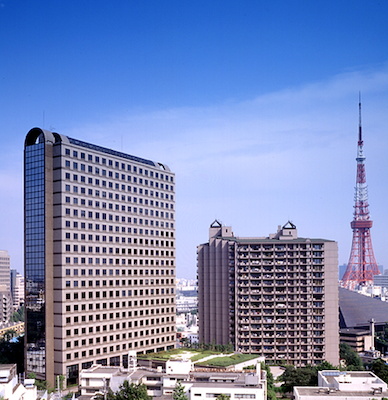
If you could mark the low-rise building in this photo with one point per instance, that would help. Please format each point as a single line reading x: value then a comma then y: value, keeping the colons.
x: 186, y: 304
x: 235, y: 386
x: 342, y: 385
x: 358, y: 339
x: 11, y: 389
x: 187, y: 329
x: 16, y: 329
x: 368, y: 356
x: 198, y: 383
x: 6, y: 309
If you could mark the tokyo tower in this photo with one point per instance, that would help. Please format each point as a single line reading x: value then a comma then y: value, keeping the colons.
x: 362, y: 264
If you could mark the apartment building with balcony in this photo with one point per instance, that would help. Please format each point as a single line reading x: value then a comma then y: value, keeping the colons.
x: 276, y: 296
x: 99, y: 255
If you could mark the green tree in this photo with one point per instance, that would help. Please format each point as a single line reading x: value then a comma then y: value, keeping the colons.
x: 352, y: 359
x: 185, y: 342
x: 41, y: 385
x: 292, y: 376
x: 380, y: 369
x: 324, y: 366
x: 18, y: 315
x: 61, y: 379
x: 12, y: 352
x: 109, y: 395
x: 9, y: 334
x: 179, y: 392
x: 223, y: 396
x: 271, y: 392
x: 132, y: 391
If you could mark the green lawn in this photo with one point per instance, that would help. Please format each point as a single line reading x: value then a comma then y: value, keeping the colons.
x: 196, y: 355
x: 227, y: 361
x: 166, y: 355
x: 203, y: 354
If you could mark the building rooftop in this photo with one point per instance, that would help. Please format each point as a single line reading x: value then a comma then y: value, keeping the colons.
x: 102, y: 369
x: 274, y: 240
x: 330, y: 392
x: 356, y: 310
x: 344, y: 384
x: 111, y: 152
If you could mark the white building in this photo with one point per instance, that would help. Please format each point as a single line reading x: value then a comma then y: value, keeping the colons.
x: 199, y: 384
x: 236, y: 386
x: 10, y: 389
x: 342, y: 385
x: 185, y: 304
x: 381, y: 280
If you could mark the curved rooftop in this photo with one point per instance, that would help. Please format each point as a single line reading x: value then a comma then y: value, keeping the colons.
x: 39, y: 135
x: 356, y: 310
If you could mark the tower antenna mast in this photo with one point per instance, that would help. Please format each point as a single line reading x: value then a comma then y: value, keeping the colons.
x: 362, y: 264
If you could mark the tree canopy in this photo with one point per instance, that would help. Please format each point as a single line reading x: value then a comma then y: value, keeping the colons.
x: 324, y: 366
x: 127, y: 391
x: 12, y: 352
x: 271, y: 393
x: 352, y: 359
x: 179, y: 392
x: 306, y: 376
x: 380, y: 368
x: 132, y: 391
x: 223, y: 396
x: 18, y: 315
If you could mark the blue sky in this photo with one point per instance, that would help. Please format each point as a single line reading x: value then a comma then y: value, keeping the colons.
x: 253, y: 104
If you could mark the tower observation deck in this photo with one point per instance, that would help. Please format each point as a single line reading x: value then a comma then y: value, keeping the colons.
x: 362, y: 264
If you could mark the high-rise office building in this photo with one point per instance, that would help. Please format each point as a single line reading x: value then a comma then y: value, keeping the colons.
x: 99, y: 255
x: 5, y: 269
x: 276, y: 296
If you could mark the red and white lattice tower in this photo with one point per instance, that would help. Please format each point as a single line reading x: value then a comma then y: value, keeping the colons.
x: 362, y: 264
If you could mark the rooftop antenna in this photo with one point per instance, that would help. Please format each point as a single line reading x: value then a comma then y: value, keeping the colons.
x: 360, y: 143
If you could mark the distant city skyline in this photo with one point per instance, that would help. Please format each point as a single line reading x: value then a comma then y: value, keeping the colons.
x: 254, y: 106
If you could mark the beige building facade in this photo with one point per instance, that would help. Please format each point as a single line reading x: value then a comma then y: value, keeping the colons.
x: 5, y: 269
x: 6, y: 308
x: 17, y: 289
x: 99, y: 255
x: 276, y: 296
